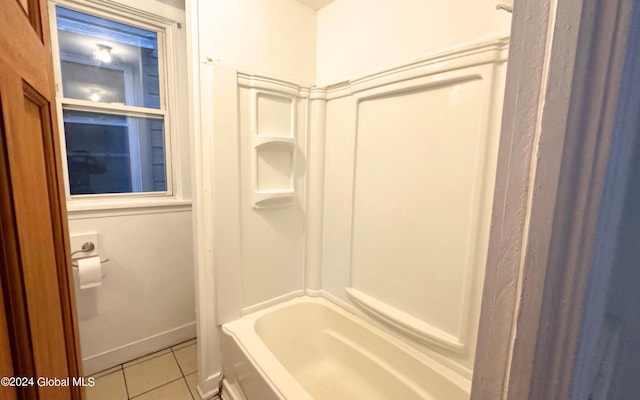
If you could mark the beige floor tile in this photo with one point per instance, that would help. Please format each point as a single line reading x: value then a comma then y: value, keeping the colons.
x: 108, y: 387
x: 147, y: 357
x: 186, y: 357
x: 192, y: 382
x: 176, y: 390
x: 151, y: 374
x: 107, y: 371
x: 184, y: 344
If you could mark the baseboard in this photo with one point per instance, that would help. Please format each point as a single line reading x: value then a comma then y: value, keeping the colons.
x: 139, y: 348
x: 211, y: 386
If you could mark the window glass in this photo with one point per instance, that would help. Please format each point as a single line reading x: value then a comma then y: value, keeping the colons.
x: 107, y: 61
x: 114, y: 154
x: 115, y: 136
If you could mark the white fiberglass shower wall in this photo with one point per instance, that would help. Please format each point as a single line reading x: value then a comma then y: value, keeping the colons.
x: 410, y: 166
x: 373, y: 187
x: 410, y: 155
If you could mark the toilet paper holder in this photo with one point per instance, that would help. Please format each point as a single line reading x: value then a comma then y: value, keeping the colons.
x: 86, y: 247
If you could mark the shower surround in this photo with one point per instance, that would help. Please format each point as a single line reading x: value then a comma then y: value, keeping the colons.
x: 371, y: 190
x: 389, y: 186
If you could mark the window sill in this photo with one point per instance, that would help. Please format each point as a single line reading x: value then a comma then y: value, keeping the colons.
x: 82, y: 209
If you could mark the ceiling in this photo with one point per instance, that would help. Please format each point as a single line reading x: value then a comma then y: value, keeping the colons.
x: 316, y: 4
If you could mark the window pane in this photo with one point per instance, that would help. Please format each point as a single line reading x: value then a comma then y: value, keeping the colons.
x: 107, y: 61
x: 114, y: 154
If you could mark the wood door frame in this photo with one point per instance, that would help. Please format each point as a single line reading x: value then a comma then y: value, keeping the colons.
x: 563, y: 82
x: 36, y: 74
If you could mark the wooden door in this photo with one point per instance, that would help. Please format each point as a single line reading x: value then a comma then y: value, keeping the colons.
x: 38, y: 330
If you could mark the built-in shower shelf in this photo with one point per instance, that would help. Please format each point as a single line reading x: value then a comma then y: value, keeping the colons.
x: 261, y: 141
x: 273, y: 163
x: 273, y: 137
x: 273, y: 198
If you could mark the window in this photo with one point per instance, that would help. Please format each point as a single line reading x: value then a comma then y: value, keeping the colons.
x: 111, y: 92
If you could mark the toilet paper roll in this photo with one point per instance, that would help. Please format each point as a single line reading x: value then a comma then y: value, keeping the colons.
x: 89, y: 272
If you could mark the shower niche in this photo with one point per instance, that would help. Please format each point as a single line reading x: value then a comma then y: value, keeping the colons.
x: 274, y: 148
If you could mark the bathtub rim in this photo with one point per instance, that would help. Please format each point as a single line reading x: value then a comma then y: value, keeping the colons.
x: 281, y: 381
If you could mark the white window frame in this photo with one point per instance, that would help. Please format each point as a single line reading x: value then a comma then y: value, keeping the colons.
x: 166, y: 30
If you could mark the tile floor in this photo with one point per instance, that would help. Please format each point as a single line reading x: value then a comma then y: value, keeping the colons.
x: 169, y: 374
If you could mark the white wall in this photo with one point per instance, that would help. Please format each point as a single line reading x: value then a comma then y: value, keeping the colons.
x: 357, y: 37
x: 147, y: 298
x: 274, y: 37
x: 146, y: 301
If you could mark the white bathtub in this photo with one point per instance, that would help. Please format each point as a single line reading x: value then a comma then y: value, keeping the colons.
x: 309, y: 348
